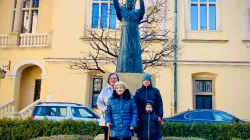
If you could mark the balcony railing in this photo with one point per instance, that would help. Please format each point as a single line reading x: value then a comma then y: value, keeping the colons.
x: 27, y: 111
x: 3, y: 40
x: 34, y: 40
x: 6, y: 109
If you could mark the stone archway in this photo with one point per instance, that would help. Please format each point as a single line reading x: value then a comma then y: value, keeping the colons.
x: 26, y: 63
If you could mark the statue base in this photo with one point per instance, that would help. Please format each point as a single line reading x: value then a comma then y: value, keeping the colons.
x: 133, y: 80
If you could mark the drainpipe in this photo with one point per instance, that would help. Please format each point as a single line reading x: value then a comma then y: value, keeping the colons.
x: 175, y: 57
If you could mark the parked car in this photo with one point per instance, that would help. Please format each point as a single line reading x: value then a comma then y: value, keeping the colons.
x: 203, y: 116
x: 61, y: 110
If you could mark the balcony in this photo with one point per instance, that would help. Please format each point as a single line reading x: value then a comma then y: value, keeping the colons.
x: 34, y: 40
x: 26, y: 40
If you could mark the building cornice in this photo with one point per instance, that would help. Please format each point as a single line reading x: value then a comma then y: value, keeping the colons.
x: 204, y: 40
x: 181, y: 62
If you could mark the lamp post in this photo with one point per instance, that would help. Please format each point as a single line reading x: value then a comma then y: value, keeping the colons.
x: 3, y: 72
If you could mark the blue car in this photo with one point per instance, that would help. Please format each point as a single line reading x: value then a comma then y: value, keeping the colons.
x: 203, y: 116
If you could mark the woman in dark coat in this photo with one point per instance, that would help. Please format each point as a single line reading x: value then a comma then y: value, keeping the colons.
x: 148, y: 92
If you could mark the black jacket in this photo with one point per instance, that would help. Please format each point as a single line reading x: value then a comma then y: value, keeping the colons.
x: 149, y: 93
x: 149, y: 127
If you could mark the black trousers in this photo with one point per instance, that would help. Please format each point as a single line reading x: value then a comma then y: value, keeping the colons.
x: 105, y: 130
x: 126, y: 138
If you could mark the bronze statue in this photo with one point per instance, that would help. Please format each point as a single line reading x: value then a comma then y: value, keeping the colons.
x: 129, y: 59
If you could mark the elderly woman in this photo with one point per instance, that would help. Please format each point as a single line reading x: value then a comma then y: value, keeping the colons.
x: 121, y: 114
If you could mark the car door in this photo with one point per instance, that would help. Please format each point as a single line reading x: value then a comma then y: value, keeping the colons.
x: 56, y: 113
x: 40, y: 112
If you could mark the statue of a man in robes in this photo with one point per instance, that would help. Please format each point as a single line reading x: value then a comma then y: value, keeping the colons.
x: 129, y: 59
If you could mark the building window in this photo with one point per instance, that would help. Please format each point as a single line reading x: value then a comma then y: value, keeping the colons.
x: 247, y: 23
x: 203, y: 14
x: 103, y: 14
x: 203, y: 93
x: 96, y: 89
x: 37, y: 89
x: 203, y: 85
x: 30, y: 16
x: 204, y: 102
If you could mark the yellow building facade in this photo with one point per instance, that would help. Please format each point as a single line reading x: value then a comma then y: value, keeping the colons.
x: 40, y: 36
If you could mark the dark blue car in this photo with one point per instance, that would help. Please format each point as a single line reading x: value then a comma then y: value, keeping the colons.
x: 203, y: 116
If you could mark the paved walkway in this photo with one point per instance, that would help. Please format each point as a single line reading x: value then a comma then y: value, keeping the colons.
x: 101, y: 137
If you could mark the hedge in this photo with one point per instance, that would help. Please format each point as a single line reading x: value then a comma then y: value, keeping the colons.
x: 28, y: 129
x: 79, y: 137
x: 207, y: 131
x: 65, y: 137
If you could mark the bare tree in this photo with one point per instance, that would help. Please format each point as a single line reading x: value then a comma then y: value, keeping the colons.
x: 104, y: 43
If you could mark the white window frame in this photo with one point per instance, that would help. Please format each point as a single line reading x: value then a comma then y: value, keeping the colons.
x: 246, y: 23
x: 92, y: 86
x: 12, y: 16
x: 99, y: 17
x: 30, y: 9
x: 217, y: 14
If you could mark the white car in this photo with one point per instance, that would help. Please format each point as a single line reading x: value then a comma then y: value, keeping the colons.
x: 61, y: 110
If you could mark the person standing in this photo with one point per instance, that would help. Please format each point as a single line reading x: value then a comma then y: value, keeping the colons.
x: 148, y: 92
x: 149, y: 127
x: 121, y: 114
x: 103, y: 97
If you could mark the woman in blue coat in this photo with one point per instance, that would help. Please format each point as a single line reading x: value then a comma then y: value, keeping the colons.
x: 121, y: 113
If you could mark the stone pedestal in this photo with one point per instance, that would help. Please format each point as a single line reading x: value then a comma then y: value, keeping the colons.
x: 14, y: 39
x: 133, y: 80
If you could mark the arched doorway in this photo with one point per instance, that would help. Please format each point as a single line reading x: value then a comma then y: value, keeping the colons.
x: 30, y: 86
x: 29, y: 77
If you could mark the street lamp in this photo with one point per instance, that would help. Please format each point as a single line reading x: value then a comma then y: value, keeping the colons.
x: 3, y: 72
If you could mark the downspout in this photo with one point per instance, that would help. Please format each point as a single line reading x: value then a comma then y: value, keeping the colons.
x: 175, y: 56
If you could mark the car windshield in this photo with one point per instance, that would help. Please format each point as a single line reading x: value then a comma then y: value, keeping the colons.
x: 83, y: 112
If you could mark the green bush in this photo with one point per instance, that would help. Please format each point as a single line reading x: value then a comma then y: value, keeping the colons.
x: 27, y: 129
x: 79, y: 137
x: 207, y: 131
x: 179, y: 138
x: 65, y: 137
